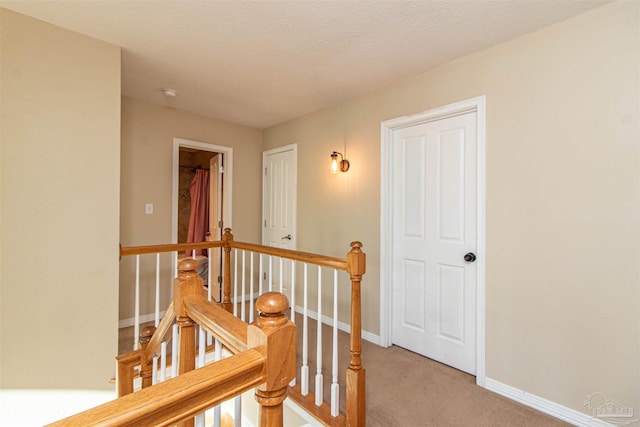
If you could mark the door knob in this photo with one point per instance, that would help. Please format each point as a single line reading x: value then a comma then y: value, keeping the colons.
x: 470, y: 257
x: 287, y: 237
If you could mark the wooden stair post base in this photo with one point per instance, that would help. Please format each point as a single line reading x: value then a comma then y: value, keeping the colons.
x: 271, y: 410
x: 275, y: 336
x: 146, y: 366
x: 187, y: 283
x: 356, y: 405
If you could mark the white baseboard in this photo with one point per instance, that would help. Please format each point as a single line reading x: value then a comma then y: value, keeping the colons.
x: 124, y: 323
x: 543, y: 405
x: 368, y: 336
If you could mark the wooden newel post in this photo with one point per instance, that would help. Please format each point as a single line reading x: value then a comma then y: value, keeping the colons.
x: 188, y: 282
x: 146, y: 365
x: 275, y: 336
x: 356, y: 267
x: 227, y: 238
x: 126, y: 364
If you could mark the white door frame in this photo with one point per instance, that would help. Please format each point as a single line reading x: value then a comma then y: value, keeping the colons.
x: 294, y: 224
x: 226, y: 186
x: 386, y: 217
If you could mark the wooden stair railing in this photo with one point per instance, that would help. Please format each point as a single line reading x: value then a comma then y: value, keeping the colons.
x: 264, y: 359
x: 354, y: 264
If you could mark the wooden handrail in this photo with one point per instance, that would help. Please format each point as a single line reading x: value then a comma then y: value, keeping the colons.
x: 171, y: 247
x: 230, y: 330
x: 164, y: 328
x: 179, y: 398
x: 321, y: 260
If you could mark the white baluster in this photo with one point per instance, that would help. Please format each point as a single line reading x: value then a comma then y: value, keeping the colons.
x: 136, y: 314
x: 174, y: 352
x: 335, y: 389
x: 202, y: 337
x: 217, y: 411
x: 293, y: 291
x: 209, y: 273
x: 304, y: 371
x: 293, y: 304
x: 251, y: 290
x: 270, y: 273
x: 319, y: 378
x: 202, y: 346
x: 175, y: 272
x: 281, y: 275
x: 154, y: 370
x: 237, y: 419
x: 234, y: 300
x: 163, y: 361
x: 193, y: 253
x: 243, y: 293
x: 157, y: 311
x: 261, y: 275
x: 209, y: 286
x: 237, y: 416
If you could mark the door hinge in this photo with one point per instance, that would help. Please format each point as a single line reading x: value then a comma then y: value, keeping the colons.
x: 265, y: 223
x: 220, y: 224
x: 221, y: 169
x: 265, y: 171
x: 220, y: 280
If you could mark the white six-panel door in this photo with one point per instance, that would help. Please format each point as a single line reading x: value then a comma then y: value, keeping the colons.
x: 434, y: 210
x: 279, y: 207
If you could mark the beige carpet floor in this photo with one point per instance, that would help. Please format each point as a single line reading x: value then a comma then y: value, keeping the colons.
x: 406, y: 389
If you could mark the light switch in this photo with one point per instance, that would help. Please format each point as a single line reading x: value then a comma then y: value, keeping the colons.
x: 148, y: 208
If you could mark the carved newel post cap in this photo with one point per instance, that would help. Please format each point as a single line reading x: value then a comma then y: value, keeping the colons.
x: 356, y: 246
x: 271, y: 307
x: 188, y: 264
x: 146, y: 333
x: 272, y: 303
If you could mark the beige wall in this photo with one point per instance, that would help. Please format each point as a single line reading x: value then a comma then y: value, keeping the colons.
x: 147, y: 143
x: 563, y: 294
x: 60, y: 120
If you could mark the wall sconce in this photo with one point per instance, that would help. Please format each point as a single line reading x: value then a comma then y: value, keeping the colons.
x: 341, y: 165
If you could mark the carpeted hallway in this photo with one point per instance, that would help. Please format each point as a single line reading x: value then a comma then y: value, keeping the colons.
x: 405, y: 389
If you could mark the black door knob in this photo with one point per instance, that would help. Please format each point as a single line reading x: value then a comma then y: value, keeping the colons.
x: 470, y: 257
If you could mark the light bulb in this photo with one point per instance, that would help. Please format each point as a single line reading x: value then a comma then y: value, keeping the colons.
x: 334, y: 165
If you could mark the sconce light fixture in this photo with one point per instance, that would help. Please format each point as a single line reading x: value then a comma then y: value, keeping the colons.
x: 341, y: 165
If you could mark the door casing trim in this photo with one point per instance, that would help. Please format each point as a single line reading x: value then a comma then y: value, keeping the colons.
x: 477, y: 105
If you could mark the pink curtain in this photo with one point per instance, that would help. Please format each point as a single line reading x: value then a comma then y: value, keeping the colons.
x: 199, y: 217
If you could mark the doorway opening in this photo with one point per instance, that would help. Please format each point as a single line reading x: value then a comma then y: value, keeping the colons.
x: 196, y: 162
x: 201, y: 202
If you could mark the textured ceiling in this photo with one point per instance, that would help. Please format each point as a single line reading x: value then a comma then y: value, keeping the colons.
x: 259, y: 63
